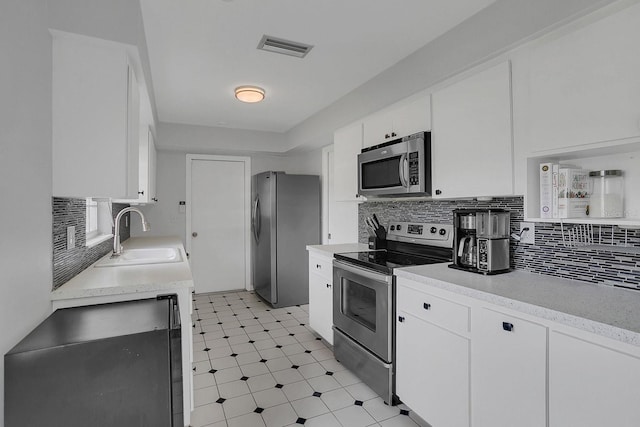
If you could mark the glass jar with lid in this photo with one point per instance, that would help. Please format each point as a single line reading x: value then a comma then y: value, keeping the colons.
x: 607, y: 195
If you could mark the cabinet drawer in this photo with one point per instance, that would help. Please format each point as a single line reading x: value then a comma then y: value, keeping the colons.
x: 321, y: 266
x: 441, y: 312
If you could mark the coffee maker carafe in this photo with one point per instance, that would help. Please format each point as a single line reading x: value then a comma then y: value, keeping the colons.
x: 481, y: 240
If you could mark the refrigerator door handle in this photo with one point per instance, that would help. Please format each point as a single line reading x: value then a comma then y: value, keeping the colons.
x: 256, y: 219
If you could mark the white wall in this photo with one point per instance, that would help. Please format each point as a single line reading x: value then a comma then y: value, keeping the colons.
x: 165, y: 217
x: 25, y: 172
x: 217, y: 140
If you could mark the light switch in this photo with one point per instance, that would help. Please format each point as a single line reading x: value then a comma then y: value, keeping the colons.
x: 71, y: 237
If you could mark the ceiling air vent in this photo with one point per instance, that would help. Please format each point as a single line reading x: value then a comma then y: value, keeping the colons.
x: 285, y: 47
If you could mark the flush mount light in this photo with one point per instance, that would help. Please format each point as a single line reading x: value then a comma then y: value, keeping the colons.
x: 249, y: 93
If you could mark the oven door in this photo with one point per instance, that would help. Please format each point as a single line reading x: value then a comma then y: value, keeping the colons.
x: 363, y: 307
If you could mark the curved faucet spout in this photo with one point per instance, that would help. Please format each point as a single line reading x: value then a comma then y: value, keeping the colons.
x: 117, y: 247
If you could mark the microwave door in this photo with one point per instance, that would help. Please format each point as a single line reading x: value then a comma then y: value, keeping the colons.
x: 384, y: 171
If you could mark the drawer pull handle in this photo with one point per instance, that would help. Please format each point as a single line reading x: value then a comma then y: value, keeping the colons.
x: 328, y: 285
x: 426, y: 306
x: 507, y: 326
x: 401, y: 319
x: 318, y: 266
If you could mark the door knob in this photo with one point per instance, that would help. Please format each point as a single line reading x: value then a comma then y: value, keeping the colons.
x: 194, y: 234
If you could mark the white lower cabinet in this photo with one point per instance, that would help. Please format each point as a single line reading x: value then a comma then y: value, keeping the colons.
x: 592, y: 384
x: 432, y: 362
x: 508, y: 370
x: 461, y: 361
x: 321, y: 296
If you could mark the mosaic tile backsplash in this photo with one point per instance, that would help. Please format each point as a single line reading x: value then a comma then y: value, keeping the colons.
x: 69, y: 263
x: 616, y: 261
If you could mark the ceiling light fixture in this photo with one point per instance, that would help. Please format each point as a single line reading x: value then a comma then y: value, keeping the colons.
x: 249, y: 93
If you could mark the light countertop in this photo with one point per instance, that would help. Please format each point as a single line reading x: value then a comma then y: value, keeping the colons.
x: 329, y: 250
x: 102, y: 281
x: 600, y: 309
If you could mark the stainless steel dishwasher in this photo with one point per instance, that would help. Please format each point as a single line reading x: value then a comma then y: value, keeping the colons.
x: 104, y: 365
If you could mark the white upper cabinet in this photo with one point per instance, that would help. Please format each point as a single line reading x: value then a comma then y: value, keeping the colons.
x: 583, y: 87
x: 148, y: 155
x: 401, y: 119
x: 147, y: 173
x: 347, y: 143
x: 95, y: 104
x: 472, y: 145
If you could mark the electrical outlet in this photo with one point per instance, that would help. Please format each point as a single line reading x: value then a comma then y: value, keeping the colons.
x: 71, y: 237
x: 528, y: 236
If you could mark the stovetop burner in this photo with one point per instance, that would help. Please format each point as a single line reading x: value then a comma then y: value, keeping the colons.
x: 407, y: 244
x: 385, y: 261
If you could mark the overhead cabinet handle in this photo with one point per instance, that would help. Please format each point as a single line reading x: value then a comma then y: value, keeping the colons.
x: 426, y: 306
x: 507, y: 326
x: 400, y: 318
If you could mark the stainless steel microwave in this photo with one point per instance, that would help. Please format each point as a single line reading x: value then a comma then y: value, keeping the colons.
x: 394, y: 168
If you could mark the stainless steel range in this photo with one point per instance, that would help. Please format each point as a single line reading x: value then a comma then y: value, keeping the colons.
x: 364, y: 299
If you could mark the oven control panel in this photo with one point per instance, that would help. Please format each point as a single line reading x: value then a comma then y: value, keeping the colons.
x: 419, y: 232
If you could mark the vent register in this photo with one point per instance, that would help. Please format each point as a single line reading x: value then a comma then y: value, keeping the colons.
x: 285, y: 47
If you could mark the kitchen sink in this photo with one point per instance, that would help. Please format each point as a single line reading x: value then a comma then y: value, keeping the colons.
x: 142, y: 256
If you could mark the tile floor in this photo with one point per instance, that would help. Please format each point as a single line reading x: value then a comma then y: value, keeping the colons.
x: 259, y: 366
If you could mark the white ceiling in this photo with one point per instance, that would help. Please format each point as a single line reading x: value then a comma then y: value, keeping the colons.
x: 200, y: 50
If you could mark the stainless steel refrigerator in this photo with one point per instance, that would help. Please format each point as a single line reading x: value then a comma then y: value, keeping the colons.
x: 285, y: 219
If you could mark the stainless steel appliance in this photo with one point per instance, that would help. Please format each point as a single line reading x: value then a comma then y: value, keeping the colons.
x: 364, y: 299
x: 285, y: 218
x: 108, y: 365
x: 398, y: 167
x: 481, y: 240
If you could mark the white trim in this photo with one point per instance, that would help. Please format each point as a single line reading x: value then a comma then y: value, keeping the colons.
x: 95, y: 241
x: 247, y: 205
x: 325, y: 194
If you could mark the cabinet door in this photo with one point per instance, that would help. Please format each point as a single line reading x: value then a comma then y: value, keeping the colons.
x: 591, y: 385
x: 432, y: 371
x: 321, y: 296
x: 347, y: 145
x: 376, y: 128
x: 508, y: 371
x: 401, y: 119
x: 153, y: 161
x: 95, y: 136
x: 584, y: 87
x: 133, y: 132
x: 413, y: 116
x: 321, y: 306
x: 471, y: 136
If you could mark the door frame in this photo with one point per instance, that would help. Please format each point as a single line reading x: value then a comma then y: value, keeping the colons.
x: 247, y: 206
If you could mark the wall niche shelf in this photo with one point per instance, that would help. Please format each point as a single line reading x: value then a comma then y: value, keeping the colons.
x: 624, y: 223
x: 621, y: 154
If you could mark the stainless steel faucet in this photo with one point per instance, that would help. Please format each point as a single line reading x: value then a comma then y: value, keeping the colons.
x: 117, y: 247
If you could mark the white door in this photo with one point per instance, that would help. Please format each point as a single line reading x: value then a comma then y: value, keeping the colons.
x: 218, y: 227
x: 340, y: 219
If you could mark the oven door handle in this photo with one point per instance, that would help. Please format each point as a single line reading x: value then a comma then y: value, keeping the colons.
x: 380, y: 277
x: 403, y: 170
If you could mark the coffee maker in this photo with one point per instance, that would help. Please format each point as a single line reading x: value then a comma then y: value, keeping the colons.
x: 481, y: 240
